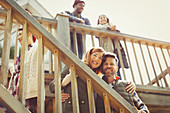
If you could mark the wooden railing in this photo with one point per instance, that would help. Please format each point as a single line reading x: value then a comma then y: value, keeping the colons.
x: 132, y: 44
x: 61, y: 53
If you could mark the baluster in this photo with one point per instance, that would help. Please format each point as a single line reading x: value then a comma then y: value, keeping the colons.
x: 166, y: 84
x: 144, y: 62
x: 110, y: 44
x: 16, y: 53
x: 106, y: 103
x: 57, y: 78
x: 137, y: 62
x: 117, y: 46
x: 84, y: 42
x: 6, y: 49
x: 130, y: 65
x: 74, y: 89
x: 168, y: 51
x: 41, y: 89
x: 50, y: 54
x: 164, y: 59
x: 23, y: 69
x: 100, y: 41
x: 152, y: 64
x: 92, y: 107
x: 75, y: 43
x: 92, y: 40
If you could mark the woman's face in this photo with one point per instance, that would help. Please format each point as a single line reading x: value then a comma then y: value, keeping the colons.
x: 102, y: 19
x: 96, y: 59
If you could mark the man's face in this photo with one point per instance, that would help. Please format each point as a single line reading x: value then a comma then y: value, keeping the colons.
x: 109, y: 67
x: 79, y: 7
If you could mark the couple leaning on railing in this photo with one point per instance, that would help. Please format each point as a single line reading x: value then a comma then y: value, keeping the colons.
x: 105, y: 64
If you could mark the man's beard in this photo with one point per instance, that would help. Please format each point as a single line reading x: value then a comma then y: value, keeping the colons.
x: 108, y: 74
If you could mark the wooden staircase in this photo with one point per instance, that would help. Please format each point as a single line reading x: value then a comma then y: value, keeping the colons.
x: 156, y: 97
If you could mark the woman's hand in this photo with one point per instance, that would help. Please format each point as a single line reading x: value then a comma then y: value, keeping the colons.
x: 139, y: 111
x: 65, y: 96
x: 131, y: 88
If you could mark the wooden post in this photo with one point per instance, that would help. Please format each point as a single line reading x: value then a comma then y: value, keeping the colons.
x: 130, y: 65
x: 74, y: 89
x: 23, y: 69
x: 144, y: 62
x: 57, y: 78
x: 117, y: 46
x: 41, y: 89
x: 164, y: 59
x: 75, y: 42
x: 137, y: 63
x: 84, y: 42
x: 152, y: 64
x: 16, y: 44
x: 92, y: 40
x: 92, y: 107
x: 106, y: 103
x: 6, y: 49
x: 110, y: 44
x: 166, y: 84
x: 50, y: 54
x: 63, y: 30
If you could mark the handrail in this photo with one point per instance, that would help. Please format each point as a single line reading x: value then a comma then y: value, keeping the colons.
x: 68, y: 58
x: 66, y: 55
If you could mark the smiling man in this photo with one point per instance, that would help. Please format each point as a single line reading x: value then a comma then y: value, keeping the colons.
x: 109, y: 69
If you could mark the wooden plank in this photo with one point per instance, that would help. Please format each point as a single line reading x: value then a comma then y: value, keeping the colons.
x: 168, y: 52
x: 160, y: 76
x: 164, y: 58
x: 166, y: 84
x: 74, y: 89
x: 90, y: 90
x: 106, y: 103
x: 110, y: 44
x: 117, y: 46
x: 144, y: 62
x: 23, y: 69
x: 10, y: 102
x: 41, y: 93
x: 92, y: 40
x: 141, y: 79
x: 152, y: 65
x: 63, y: 31
x: 57, y: 78
x: 130, y: 65
x: 75, y: 43
x: 6, y: 49
x: 115, y: 35
x: 16, y: 44
x: 50, y: 54
x: 84, y: 42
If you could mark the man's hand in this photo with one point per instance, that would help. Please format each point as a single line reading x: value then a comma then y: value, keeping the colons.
x: 81, y: 21
x: 131, y: 88
x: 65, y: 96
x: 139, y: 111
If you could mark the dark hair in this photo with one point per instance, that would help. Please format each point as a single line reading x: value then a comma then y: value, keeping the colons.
x: 103, y: 15
x: 77, y: 1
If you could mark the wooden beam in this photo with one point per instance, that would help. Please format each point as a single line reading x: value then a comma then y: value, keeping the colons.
x: 57, y: 76
x: 10, y: 102
x: 106, y: 103
x: 23, y: 65
x: 74, y: 90
x: 91, y: 99
x: 160, y: 76
x: 41, y: 93
x: 6, y: 49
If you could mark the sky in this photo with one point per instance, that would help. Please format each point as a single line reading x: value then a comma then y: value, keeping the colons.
x: 145, y: 18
